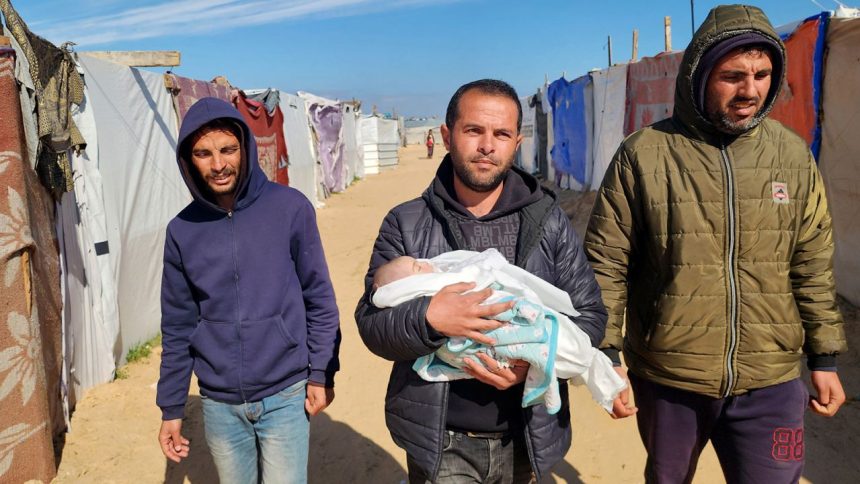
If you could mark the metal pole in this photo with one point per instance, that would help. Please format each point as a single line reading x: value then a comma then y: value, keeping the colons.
x: 692, y: 17
x: 610, y: 49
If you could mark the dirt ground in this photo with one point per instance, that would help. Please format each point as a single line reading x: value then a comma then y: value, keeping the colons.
x: 114, y: 427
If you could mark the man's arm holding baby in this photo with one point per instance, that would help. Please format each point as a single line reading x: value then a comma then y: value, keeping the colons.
x: 455, y: 312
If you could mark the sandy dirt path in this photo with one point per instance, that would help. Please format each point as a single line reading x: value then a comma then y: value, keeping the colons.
x: 114, y: 427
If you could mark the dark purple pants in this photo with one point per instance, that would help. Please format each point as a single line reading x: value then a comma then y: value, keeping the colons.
x: 758, y: 436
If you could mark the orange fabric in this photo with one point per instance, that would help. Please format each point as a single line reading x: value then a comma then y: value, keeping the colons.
x: 795, y: 106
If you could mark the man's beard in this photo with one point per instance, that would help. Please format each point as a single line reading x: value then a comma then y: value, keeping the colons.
x: 477, y: 184
x: 723, y: 122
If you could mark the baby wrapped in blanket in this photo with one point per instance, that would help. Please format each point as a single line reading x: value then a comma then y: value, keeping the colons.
x: 536, y: 329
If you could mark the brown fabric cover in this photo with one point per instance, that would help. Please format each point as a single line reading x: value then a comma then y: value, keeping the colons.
x: 30, y: 350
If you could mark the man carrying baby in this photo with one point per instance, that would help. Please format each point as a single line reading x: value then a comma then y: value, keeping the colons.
x: 475, y: 430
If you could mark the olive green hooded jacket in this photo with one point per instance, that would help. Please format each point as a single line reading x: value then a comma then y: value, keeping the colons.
x: 717, y: 247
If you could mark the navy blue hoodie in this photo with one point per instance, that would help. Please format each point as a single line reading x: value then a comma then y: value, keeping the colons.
x: 246, y: 298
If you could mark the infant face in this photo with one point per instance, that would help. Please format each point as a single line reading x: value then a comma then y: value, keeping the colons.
x: 399, y: 268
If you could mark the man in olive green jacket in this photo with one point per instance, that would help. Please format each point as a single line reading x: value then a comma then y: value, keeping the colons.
x: 711, y: 238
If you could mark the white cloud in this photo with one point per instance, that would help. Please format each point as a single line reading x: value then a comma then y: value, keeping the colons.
x: 199, y: 17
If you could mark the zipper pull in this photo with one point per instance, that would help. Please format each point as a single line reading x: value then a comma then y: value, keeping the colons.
x: 230, y: 214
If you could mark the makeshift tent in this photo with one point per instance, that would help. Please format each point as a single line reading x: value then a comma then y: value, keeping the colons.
x: 297, y: 132
x: 651, y: 90
x: 572, y: 115
x: 380, y: 141
x: 797, y: 105
x: 30, y: 321
x: 142, y: 187
x: 90, y: 310
x: 609, y: 102
x: 327, y: 122
x: 546, y: 166
x: 353, y: 156
x: 840, y: 146
x: 526, y: 158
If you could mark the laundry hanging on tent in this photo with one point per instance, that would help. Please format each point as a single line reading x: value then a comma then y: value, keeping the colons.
x: 271, y: 98
x: 326, y: 119
x: 526, y: 159
x: 187, y: 91
x: 571, y: 151
x: 58, y: 85
x: 269, y: 134
x: 798, y: 104
x: 651, y: 90
x: 30, y: 323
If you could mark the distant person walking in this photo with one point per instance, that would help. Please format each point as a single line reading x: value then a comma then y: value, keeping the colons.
x: 431, y: 141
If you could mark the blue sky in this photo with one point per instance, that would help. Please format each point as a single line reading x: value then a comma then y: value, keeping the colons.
x: 408, y: 55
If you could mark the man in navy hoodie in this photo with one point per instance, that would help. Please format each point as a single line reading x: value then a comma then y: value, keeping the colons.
x: 247, y: 303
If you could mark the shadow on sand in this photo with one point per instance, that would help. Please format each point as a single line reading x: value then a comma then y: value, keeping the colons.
x: 337, y: 454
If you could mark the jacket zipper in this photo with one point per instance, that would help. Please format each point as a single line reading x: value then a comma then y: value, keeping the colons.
x: 236, y: 282
x: 733, y: 303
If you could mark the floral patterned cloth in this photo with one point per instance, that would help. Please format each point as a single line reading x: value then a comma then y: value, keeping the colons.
x: 30, y: 349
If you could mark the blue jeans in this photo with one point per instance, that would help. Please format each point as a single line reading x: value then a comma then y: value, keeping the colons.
x: 468, y: 459
x: 267, y: 438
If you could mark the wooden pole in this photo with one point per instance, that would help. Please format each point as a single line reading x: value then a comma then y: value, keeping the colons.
x: 635, y: 45
x: 609, y: 49
x: 137, y: 58
x: 667, y: 26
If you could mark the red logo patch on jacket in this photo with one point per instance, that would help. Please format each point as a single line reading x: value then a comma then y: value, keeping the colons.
x: 780, y: 192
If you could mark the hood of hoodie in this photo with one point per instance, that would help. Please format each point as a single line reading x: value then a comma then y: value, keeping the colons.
x: 251, y: 180
x: 722, y: 23
x: 520, y: 189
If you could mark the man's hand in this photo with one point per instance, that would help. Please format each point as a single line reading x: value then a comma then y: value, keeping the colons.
x: 318, y: 398
x: 173, y: 444
x: 829, y: 393
x: 621, y: 407
x: 493, y: 374
x: 453, y: 313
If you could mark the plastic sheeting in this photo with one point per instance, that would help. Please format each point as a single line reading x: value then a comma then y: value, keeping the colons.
x: 142, y: 187
x: 353, y: 156
x: 797, y: 105
x: 90, y: 311
x: 840, y: 146
x: 380, y: 140
x: 327, y: 121
x: 609, y: 101
x: 651, y: 90
x: 572, y: 114
x: 297, y: 132
x: 526, y: 158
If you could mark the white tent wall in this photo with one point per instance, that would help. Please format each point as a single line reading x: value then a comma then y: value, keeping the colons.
x: 550, y: 136
x: 526, y: 156
x: 839, y: 148
x: 142, y: 186
x: 90, y: 312
x: 380, y: 141
x: 351, y: 158
x: 610, y: 91
x: 299, y: 138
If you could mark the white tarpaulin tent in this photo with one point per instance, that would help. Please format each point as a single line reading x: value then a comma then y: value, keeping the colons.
x: 142, y: 187
x: 840, y: 146
x: 380, y: 140
x: 610, y: 96
x: 300, y: 147
x: 526, y: 154
x: 353, y: 156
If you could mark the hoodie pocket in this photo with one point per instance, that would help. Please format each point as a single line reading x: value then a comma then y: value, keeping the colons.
x: 216, y: 356
x: 269, y: 354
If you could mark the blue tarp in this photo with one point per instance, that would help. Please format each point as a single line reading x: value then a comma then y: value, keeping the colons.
x: 570, y: 120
